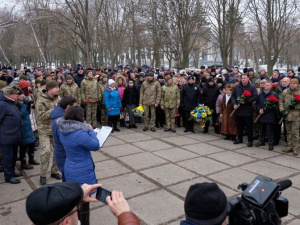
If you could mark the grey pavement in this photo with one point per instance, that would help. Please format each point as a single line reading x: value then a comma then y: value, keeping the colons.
x: 155, y: 169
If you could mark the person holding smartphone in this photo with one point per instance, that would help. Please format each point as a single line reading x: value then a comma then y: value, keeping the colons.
x: 41, y: 209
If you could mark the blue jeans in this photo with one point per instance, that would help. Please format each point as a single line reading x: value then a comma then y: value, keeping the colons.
x: 9, y: 160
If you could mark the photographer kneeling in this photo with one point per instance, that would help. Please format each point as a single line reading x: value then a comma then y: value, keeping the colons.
x: 58, y: 204
x: 205, y: 204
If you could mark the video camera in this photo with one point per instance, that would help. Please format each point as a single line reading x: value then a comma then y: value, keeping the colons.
x: 261, y: 203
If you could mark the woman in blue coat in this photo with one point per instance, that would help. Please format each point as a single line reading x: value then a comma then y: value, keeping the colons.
x: 112, y: 103
x: 78, y: 139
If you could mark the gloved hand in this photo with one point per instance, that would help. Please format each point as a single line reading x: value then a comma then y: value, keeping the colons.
x: 291, y: 107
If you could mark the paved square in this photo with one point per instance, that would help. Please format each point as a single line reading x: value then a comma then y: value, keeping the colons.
x: 155, y: 169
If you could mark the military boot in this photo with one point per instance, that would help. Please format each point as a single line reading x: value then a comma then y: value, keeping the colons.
x: 25, y: 166
x: 295, y: 152
x: 287, y: 150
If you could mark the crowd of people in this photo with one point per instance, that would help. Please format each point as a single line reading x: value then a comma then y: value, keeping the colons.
x: 59, y: 109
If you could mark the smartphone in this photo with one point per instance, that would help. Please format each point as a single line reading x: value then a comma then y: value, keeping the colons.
x: 102, y: 193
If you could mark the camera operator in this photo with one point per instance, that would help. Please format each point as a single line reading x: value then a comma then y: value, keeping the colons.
x: 205, y: 204
x: 58, y: 204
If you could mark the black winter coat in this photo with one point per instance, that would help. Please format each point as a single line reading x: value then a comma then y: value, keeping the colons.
x: 269, y: 115
x: 131, y: 96
x: 210, y: 95
x: 244, y: 110
x: 78, y: 79
x: 190, y: 96
x: 10, y: 122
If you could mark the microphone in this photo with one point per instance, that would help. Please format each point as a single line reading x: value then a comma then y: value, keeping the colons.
x: 284, y: 184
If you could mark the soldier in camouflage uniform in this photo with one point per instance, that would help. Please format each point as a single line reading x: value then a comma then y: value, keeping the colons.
x: 70, y: 88
x: 292, y: 118
x: 90, y: 95
x: 39, y: 91
x: 103, y: 81
x: 149, y: 99
x: 170, y: 101
x: 44, y: 105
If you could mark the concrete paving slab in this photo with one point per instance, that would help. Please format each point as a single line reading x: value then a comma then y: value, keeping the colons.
x: 286, y: 160
x: 102, y: 216
x: 257, y: 152
x: 181, y: 141
x: 152, y: 145
x: 157, y: 213
x: 134, y: 137
x: 159, y: 133
x: 204, y: 137
x: 130, y: 184
x: 168, y: 174
x: 226, y: 144
x: 269, y: 170
x: 232, y: 158
x: 13, y: 192
x: 121, y: 150
x: 98, y: 157
x: 203, y: 165
x: 175, y: 154
x: 293, y: 195
x: 142, y: 160
x: 36, y: 180
x: 294, y: 222
x: 177, y: 222
x: 111, y: 140
x: 203, y: 149
x: 296, y: 181
x: 233, y: 177
x: 109, y: 168
x: 14, y: 213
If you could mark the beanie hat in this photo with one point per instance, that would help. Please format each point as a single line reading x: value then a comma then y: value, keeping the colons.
x: 202, y: 67
x: 53, y: 202
x: 203, y: 80
x: 250, y: 69
x: 131, y: 80
x: 210, y: 79
x: 169, y: 78
x: 205, y: 203
x: 24, y: 84
x: 224, y: 71
x: 22, y: 77
x: 275, y: 80
x: 104, y: 75
x: 191, y: 77
x: 150, y: 74
x: 37, y: 81
x: 69, y: 77
x: 160, y: 77
x: 43, y: 82
x: 220, y: 81
x: 2, y: 84
x: 111, y: 81
x: 294, y: 81
x: 182, y: 72
x: 51, y: 84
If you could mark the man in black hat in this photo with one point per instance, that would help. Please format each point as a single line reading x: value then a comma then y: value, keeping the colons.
x: 190, y: 97
x: 59, y: 204
x: 78, y: 78
x: 10, y: 131
x: 205, y: 203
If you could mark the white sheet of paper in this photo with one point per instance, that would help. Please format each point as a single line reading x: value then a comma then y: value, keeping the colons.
x: 102, y: 134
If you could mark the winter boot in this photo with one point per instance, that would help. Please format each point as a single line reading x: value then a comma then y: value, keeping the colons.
x: 24, y: 165
x: 32, y: 161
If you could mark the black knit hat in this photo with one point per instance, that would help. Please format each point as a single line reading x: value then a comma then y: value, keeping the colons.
x: 160, y: 77
x: 210, y: 79
x: 203, y: 80
x: 205, y: 204
x: 190, y: 77
x: 52, y: 202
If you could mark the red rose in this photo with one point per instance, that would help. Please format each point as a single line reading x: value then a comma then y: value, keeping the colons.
x: 87, y: 101
x: 247, y: 93
x: 274, y: 85
x: 272, y: 98
x: 297, y: 97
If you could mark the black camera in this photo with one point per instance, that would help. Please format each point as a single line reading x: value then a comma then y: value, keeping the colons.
x: 261, y: 203
x: 27, y: 101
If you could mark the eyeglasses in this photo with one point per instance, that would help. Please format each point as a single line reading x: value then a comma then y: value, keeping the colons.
x: 77, y: 210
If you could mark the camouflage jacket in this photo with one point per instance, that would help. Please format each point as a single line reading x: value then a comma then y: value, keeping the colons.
x: 71, y: 90
x: 37, y: 92
x: 90, y: 89
x: 284, y: 101
x: 44, y: 106
x: 150, y: 93
x: 102, y: 93
x: 170, y: 97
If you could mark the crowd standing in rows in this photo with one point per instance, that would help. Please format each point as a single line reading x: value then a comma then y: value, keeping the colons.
x: 60, y: 108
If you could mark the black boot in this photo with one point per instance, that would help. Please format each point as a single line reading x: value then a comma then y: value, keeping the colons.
x: 25, y: 166
x: 32, y: 161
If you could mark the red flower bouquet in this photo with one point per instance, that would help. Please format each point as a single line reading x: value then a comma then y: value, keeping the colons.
x: 276, y: 89
x: 295, y: 101
x: 243, y: 98
x: 271, y: 102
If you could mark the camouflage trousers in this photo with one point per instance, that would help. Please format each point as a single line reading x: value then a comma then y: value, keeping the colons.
x: 146, y: 115
x: 293, y: 134
x: 91, y: 113
x: 46, y: 148
x: 170, y: 119
x: 103, y: 116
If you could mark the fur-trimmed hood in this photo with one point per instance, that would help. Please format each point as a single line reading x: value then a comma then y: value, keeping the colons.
x: 108, y: 89
x: 70, y: 126
x: 123, y: 79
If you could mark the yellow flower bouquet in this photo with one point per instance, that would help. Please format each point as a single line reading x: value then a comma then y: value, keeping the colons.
x: 138, y: 111
x: 201, y: 114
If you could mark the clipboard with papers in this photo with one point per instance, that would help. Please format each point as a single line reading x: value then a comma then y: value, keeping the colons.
x: 102, y: 134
